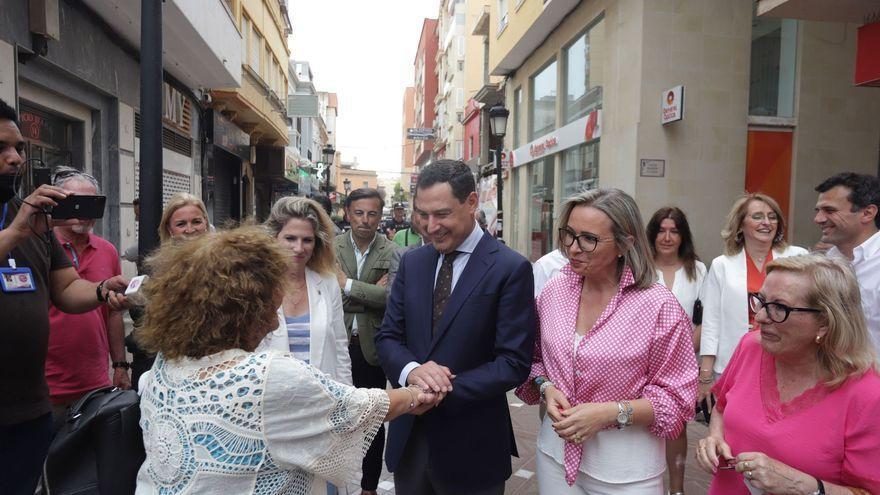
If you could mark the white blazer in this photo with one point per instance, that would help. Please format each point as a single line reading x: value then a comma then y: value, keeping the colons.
x: 726, y: 305
x: 328, y: 340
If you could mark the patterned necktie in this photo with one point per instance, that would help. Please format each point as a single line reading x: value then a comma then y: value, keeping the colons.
x: 443, y: 288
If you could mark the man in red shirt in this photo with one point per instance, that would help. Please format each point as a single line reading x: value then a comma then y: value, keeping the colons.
x: 81, y: 346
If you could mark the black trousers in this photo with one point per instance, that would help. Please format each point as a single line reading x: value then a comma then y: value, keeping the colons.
x: 414, y: 475
x: 23, y: 448
x: 365, y: 375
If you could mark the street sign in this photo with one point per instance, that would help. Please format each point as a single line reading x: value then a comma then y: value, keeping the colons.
x: 420, y: 133
x: 672, y: 105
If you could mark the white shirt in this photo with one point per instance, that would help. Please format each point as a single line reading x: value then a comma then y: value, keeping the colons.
x: 866, y: 264
x: 359, y: 258
x: 607, y: 456
x: 547, y: 267
x: 687, y: 291
x: 464, y: 254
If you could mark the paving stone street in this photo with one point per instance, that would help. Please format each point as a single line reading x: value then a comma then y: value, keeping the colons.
x: 524, y: 481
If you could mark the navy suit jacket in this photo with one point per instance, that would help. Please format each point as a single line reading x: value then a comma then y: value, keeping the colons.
x: 486, y: 337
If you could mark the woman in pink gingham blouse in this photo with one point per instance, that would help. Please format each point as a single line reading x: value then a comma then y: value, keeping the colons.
x: 614, y: 359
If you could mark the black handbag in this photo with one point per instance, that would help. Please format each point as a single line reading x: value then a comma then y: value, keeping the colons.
x: 99, y: 448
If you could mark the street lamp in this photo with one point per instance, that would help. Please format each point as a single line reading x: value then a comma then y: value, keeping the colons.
x: 329, y: 153
x: 498, y: 124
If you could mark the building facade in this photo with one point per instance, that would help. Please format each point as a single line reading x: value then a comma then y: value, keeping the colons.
x: 72, y: 71
x: 425, y: 84
x: 768, y: 105
x: 242, y: 178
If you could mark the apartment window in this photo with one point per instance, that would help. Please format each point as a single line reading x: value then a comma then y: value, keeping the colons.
x: 460, y: 45
x: 255, y: 49
x: 459, y: 150
x: 459, y: 97
x: 502, y: 15
x: 517, y: 109
x: 583, y: 72
x: 460, y: 65
x: 366, y: 184
x: 771, y: 82
x: 470, y: 150
x: 459, y: 116
x: 543, y: 101
x: 267, y: 66
x: 245, y: 37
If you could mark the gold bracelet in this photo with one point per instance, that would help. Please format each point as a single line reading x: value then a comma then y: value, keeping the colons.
x: 412, y: 403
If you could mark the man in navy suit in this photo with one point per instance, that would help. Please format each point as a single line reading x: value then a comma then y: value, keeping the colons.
x: 460, y: 321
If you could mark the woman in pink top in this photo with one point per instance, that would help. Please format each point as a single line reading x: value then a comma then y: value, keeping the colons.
x: 614, y: 361
x: 799, y: 403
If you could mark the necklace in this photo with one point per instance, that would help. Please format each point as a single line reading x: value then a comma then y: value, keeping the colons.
x: 300, y: 294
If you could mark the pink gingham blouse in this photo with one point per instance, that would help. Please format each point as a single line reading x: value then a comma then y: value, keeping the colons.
x: 640, y: 347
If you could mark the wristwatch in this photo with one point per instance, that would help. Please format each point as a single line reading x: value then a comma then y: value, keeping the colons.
x: 121, y: 364
x: 542, y: 382
x: 624, y: 414
x: 820, y: 490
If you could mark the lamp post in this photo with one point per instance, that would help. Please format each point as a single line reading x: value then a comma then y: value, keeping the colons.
x: 329, y: 153
x: 498, y: 123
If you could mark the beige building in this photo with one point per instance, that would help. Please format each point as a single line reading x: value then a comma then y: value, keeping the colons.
x: 350, y: 177
x: 768, y: 104
x: 408, y: 171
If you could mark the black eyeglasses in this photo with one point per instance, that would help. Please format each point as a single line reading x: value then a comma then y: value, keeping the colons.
x: 586, y: 242
x: 777, y: 312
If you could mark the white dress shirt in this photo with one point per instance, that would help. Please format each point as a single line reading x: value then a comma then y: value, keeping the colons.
x: 687, y: 291
x: 547, y: 267
x: 866, y: 264
x: 360, y: 258
x: 464, y: 249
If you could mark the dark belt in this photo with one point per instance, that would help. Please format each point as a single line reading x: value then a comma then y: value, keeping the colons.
x: 354, y: 340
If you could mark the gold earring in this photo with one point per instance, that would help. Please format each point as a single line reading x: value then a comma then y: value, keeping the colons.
x: 818, y: 339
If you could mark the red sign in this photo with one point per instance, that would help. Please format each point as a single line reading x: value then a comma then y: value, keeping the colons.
x: 867, y: 71
x: 539, y: 149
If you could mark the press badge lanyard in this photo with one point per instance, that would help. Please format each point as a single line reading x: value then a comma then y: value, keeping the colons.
x: 14, y: 279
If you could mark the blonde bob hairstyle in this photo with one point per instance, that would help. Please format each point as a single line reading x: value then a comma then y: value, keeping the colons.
x: 734, y: 241
x: 178, y: 201
x: 215, y: 292
x: 290, y: 207
x: 845, y: 350
x: 629, y: 236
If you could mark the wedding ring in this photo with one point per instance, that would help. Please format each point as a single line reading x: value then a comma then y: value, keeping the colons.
x: 577, y: 439
x: 748, y: 474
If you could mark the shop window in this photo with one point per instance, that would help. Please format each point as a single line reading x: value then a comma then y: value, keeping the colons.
x: 512, y: 219
x: 50, y: 138
x: 542, y: 96
x: 517, y: 109
x: 540, y: 208
x: 583, y: 72
x: 772, y: 77
x: 580, y: 169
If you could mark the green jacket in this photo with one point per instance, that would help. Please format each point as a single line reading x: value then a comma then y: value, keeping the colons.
x: 366, y: 300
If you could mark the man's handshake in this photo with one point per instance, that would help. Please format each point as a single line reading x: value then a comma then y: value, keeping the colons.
x: 433, y: 379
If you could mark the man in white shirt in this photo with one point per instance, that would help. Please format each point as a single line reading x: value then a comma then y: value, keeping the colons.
x: 547, y: 267
x: 847, y: 214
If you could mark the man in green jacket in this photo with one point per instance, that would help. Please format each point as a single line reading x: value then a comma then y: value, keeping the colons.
x: 364, y: 257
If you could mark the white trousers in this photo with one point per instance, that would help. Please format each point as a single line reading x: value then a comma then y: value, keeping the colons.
x: 551, y: 481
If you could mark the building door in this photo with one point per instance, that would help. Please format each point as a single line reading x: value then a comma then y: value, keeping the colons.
x: 49, y: 137
x: 768, y: 165
x: 227, y: 187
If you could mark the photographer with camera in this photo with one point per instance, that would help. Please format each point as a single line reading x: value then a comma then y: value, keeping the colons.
x: 34, y: 270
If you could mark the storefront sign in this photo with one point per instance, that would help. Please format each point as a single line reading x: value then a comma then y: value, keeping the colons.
x: 228, y: 136
x: 578, y: 132
x: 652, y: 168
x: 672, y: 105
x: 175, y: 108
x: 290, y: 169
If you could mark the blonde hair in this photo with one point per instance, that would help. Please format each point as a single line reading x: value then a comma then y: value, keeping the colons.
x: 287, y: 208
x: 629, y: 236
x: 211, y: 293
x: 732, y: 231
x: 178, y: 201
x: 845, y: 350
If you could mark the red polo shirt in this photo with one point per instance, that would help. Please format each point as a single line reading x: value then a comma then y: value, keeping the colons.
x: 78, y: 360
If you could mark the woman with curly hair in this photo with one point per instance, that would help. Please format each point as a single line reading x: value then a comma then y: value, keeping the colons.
x: 217, y: 416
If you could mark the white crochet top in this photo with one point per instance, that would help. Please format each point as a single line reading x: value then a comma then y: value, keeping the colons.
x: 263, y: 423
